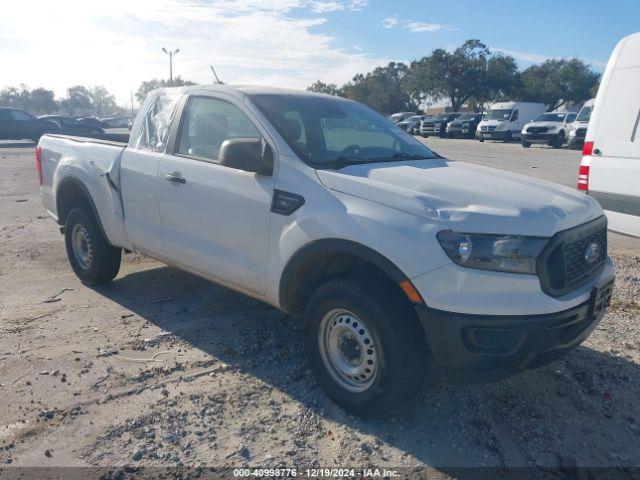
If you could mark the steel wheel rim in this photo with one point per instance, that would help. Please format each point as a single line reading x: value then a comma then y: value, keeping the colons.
x: 348, y: 350
x: 82, y: 246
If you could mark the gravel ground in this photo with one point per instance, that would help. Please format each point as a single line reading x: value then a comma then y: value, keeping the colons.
x: 163, y: 368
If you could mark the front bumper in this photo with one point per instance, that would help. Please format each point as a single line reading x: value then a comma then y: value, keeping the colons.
x: 493, y: 135
x: 540, y: 137
x: 460, y: 132
x: 477, y: 348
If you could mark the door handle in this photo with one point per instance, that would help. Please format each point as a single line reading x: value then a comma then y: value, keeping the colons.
x: 175, y: 177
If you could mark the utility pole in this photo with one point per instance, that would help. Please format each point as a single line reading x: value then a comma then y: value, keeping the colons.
x: 171, y: 54
x: 215, y: 75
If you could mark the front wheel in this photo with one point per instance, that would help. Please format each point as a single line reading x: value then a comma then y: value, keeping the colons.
x: 508, y: 137
x: 91, y: 256
x: 365, y: 345
x: 480, y: 139
x: 559, y: 141
x: 525, y: 144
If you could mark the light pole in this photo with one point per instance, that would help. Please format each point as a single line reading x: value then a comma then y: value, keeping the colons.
x: 171, y: 54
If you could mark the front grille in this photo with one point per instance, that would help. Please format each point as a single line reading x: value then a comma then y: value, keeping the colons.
x: 537, y: 130
x: 490, y: 128
x: 455, y: 125
x: 581, y: 132
x: 573, y: 257
x: 427, y: 124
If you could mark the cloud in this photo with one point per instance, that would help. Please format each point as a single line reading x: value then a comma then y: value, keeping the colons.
x: 414, y: 27
x: 267, y: 42
x: 390, y: 22
x: 538, y: 58
x: 419, y: 27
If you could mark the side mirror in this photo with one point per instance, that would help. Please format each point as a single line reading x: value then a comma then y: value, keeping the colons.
x: 248, y: 154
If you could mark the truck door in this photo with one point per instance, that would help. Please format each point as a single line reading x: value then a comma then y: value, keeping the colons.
x: 215, y: 218
x: 139, y: 173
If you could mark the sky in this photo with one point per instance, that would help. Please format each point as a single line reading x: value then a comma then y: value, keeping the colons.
x: 289, y: 43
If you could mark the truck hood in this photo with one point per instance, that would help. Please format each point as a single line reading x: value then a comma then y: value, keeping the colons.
x: 465, y: 197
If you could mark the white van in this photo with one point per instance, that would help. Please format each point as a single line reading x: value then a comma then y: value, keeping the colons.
x: 505, y: 120
x: 579, y: 127
x: 610, y: 166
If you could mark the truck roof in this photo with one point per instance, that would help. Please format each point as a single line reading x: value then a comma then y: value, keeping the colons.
x: 242, y: 90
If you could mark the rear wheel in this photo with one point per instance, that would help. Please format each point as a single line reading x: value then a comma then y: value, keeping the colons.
x: 91, y: 256
x: 365, y: 345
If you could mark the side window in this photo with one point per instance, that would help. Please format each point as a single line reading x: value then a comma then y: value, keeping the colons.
x: 5, y: 115
x: 515, y: 115
x: 570, y: 118
x: 156, y: 121
x: 20, y: 116
x: 207, y: 122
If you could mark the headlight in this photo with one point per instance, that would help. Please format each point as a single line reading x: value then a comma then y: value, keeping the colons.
x: 504, y: 253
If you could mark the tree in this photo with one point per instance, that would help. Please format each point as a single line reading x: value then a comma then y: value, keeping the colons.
x: 556, y: 82
x: 38, y: 100
x: 502, y: 79
x: 149, y: 85
x: 459, y: 75
x: 381, y: 89
x: 103, y: 102
x: 78, y: 99
x: 42, y: 100
x: 321, y: 87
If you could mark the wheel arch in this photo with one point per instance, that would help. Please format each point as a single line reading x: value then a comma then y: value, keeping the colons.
x: 323, y: 259
x: 71, y: 192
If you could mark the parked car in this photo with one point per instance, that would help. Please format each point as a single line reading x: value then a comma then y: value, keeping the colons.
x: 437, y: 125
x: 400, y: 116
x: 464, y: 126
x: 610, y: 166
x: 92, y: 122
x: 549, y: 128
x: 17, y: 124
x: 504, y: 121
x: 71, y: 126
x: 115, y: 122
x: 393, y: 256
x: 412, y: 124
x: 579, y: 127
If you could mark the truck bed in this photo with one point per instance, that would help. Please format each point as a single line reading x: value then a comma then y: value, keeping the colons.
x: 94, y: 164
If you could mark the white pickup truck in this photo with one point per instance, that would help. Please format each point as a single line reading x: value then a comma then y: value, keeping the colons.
x: 395, y: 257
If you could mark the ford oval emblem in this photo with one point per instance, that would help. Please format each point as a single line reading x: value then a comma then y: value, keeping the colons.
x: 592, y: 253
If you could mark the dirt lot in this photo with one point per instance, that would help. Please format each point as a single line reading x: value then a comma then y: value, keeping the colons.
x: 163, y: 368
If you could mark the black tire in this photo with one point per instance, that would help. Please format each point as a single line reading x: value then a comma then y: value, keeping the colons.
x: 525, y: 144
x: 398, y: 338
x: 480, y: 139
x: 103, y: 261
x: 559, y: 141
x: 508, y: 137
